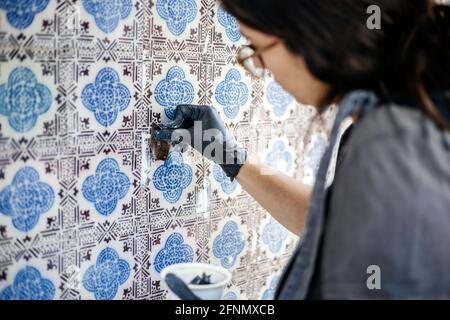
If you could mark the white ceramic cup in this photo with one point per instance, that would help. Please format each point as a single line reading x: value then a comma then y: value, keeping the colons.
x: 220, y: 277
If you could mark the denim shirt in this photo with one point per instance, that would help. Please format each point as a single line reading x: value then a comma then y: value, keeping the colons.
x: 388, y: 207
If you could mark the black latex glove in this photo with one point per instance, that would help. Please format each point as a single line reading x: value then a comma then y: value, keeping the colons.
x: 213, y: 129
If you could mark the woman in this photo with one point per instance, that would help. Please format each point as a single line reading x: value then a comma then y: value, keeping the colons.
x: 382, y: 229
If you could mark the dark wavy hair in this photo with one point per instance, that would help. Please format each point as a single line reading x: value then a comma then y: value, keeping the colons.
x: 408, y: 57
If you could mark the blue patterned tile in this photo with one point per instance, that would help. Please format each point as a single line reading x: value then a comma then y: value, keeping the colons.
x: 174, y: 251
x: 134, y: 61
x: 106, y: 97
x: 230, y: 24
x: 108, y: 13
x: 226, y: 184
x: 106, y: 187
x: 232, y: 93
x: 107, y: 275
x: 173, y: 177
x: 230, y: 296
x: 23, y: 99
x: 174, y: 90
x: 273, y: 235
x: 21, y: 13
x: 279, y: 157
x: 229, y: 244
x: 29, y: 285
x: 177, y: 14
x: 269, y: 293
x: 313, y: 157
x: 25, y: 199
x: 278, y: 98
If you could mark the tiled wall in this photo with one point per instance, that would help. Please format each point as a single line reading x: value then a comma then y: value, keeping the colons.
x: 84, y: 213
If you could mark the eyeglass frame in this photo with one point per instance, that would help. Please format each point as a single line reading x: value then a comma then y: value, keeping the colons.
x: 256, y: 53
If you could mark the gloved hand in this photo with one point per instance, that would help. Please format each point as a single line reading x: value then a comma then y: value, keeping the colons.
x: 205, y: 131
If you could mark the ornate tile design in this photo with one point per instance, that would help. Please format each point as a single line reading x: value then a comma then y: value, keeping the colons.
x: 84, y: 212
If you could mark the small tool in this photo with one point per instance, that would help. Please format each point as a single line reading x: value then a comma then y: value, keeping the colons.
x: 180, y: 288
x: 160, y: 148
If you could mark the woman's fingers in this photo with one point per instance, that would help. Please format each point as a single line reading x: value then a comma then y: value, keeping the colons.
x: 164, y: 134
x: 180, y: 130
x: 184, y: 117
x: 174, y: 135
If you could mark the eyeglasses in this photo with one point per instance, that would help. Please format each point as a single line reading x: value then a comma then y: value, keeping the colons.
x: 251, y: 59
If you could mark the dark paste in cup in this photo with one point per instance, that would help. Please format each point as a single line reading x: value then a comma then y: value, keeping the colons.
x: 202, y: 280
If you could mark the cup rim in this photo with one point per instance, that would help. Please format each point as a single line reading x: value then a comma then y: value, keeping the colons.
x: 211, y: 267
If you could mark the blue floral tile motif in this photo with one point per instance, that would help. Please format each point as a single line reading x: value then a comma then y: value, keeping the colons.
x: 226, y: 184
x: 230, y: 296
x: 20, y: 13
x: 229, y: 244
x: 108, y: 273
x: 29, y: 285
x: 177, y: 13
x: 106, y: 187
x: 106, y: 97
x: 174, y: 251
x: 230, y: 24
x: 273, y: 235
x: 173, y: 177
x: 23, y: 99
x: 278, y: 98
x: 108, y: 13
x: 25, y: 199
x: 279, y: 157
x: 174, y: 90
x: 314, y: 156
x: 232, y: 94
x: 269, y: 293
